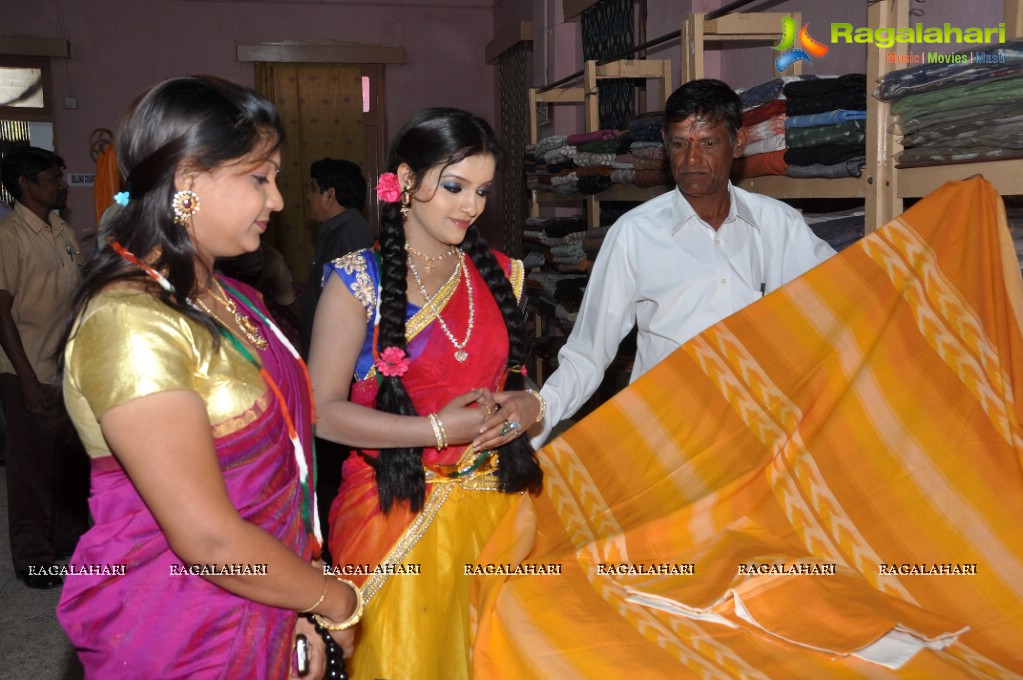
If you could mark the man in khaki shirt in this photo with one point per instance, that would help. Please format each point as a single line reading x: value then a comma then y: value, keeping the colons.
x: 47, y: 473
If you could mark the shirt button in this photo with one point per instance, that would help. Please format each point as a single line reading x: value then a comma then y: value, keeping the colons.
x: 724, y: 280
x: 717, y: 241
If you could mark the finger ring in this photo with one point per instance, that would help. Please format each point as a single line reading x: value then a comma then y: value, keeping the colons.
x: 509, y: 427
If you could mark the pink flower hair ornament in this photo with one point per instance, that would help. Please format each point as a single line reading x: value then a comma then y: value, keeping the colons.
x: 388, y: 188
x: 392, y: 362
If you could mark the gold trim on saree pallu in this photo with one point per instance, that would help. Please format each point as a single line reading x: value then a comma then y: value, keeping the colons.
x: 482, y: 479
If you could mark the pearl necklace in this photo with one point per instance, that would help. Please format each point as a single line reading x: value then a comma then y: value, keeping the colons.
x: 430, y: 261
x: 246, y: 325
x: 460, y: 354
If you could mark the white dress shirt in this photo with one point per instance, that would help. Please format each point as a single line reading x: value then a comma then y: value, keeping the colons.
x: 665, y: 270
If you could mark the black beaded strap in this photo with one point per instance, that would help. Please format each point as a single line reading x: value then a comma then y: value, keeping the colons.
x: 335, y: 657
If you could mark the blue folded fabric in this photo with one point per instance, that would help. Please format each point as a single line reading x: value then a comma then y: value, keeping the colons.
x: 826, y: 118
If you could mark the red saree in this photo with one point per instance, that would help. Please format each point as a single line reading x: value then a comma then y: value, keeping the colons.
x: 415, y: 634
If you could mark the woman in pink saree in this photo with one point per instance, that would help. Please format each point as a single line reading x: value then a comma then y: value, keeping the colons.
x: 196, y: 413
x: 430, y: 327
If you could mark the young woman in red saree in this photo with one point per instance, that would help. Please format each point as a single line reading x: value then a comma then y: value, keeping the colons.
x: 196, y: 412
x: 416, y: 358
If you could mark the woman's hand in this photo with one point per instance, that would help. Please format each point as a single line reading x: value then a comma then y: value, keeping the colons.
x: 515, y: 414
x: 317, y: 650
x: 463, y: 416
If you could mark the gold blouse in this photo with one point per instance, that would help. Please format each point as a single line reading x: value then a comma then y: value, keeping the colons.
x: 128, y: 345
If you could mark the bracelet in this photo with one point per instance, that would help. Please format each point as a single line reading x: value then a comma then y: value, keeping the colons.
x: 438, y: 431
x: 316, y: 604
x: 543, y: 405
x: 351, y: 620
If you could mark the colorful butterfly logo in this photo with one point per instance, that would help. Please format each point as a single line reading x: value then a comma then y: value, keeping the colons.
x: 808, y: 47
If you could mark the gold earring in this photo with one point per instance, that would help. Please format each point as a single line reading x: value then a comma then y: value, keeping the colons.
x: 185, y: 204
x: 406, y: 200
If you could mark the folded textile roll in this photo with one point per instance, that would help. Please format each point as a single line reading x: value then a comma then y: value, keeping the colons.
x: 826, y: 118
x: 1004, y: 91
x: 849, y: 132
x: 1008, y: 60
x: 651, y: 178
x: 594, y: 185
x: 759, y: 165
x: 852, y: 167
x: 547, y: 144
x: 650, y: 164
x: 768, y: 91
x: 819, y: 96
x: 650, y: 152
x: 772, y: 126
x: 594, y: 171
x: 623, y: 175
x: 767, y: 145
x: 823, y: 153
x: 602, y: 146
x: 763, y: 112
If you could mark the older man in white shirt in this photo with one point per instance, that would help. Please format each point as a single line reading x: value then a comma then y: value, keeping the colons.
x: 683, y: 261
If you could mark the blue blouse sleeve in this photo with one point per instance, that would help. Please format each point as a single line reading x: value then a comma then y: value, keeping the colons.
x: 360, y: 272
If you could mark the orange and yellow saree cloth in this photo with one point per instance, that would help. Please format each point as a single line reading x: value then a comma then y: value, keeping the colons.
x: 827, y: 484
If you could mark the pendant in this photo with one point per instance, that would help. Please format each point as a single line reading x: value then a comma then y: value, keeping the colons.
x: 461, y: 355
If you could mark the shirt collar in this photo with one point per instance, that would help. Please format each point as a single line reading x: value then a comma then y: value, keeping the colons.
x: 56, y: 223
x: 737, y: 209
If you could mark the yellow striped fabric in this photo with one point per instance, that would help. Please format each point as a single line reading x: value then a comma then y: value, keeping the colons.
x: 827, y: 484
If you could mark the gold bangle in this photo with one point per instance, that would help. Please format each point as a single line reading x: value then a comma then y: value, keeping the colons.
x: 543, y: 405
x: 438, y: 431
x: 351, y: 620
x: 316, y: 604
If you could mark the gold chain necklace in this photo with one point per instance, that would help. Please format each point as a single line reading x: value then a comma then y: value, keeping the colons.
x: 248, y: 328
x: 430, y: 261
x: 460, y: 354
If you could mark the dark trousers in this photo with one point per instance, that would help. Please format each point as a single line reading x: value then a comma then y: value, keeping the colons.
x: 47, y: 479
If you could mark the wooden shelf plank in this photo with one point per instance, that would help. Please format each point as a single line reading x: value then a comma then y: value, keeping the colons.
x: 781, y: 187
x: 1006, y: 176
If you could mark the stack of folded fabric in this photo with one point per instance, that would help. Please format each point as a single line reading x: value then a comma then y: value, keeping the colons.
x: 566, y: 249
x: 839, y: 229
x: 764, y: 117
x: 591, y: 162
x: 962, y: 111
x: 825, y: 131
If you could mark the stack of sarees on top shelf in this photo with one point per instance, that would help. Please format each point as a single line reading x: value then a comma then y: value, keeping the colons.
x: 559, y: 254
x: 590, y: 162
x: 959, y: 112
x: 804, y: 126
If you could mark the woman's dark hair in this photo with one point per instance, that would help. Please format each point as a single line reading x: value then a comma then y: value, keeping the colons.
x: 705, y: 98
x: 203, y: 121
x: 441, y: 137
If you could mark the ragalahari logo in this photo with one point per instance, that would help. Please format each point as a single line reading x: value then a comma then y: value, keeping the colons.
x: 808, y: 47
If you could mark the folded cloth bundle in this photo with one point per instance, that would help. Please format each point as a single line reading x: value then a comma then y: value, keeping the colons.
x: 826, y: 118
x: 826, y: 94
x: 849, y: 132
x: 767, y: 91
x: 759, y: 165
x: 1008, y: 61
x: 852, y: 167
x: 822, y: 153
x: 763, y: 112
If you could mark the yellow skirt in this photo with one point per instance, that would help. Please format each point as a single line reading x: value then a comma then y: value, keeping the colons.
x: 418, y: 625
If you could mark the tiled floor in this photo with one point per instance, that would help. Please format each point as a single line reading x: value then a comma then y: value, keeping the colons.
x: 32, y: 643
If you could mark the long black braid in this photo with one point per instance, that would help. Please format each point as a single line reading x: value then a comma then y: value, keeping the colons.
x: 441, y: 137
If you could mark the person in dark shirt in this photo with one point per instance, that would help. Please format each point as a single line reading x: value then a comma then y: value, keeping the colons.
x: 336, y: 195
